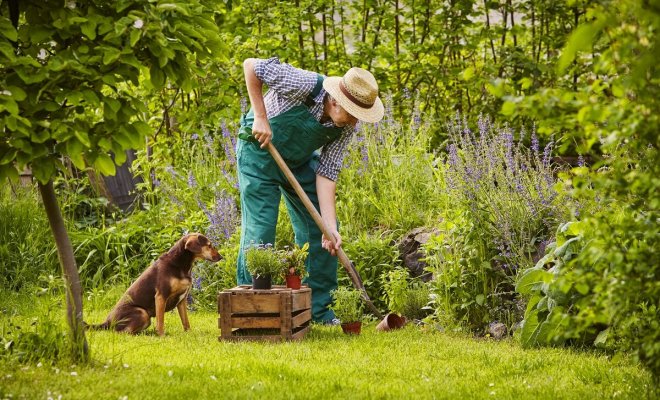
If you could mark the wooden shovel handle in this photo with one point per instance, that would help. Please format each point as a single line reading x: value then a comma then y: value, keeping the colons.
x: 343, y: 258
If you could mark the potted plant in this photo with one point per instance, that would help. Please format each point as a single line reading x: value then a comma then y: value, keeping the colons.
x: 263, y: 262
x: 347, y: 306
x: 294, y: 265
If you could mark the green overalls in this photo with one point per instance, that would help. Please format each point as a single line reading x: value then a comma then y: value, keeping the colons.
x: 296, y: 135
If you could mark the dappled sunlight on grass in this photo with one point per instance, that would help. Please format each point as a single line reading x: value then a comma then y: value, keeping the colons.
x: 418, y: 362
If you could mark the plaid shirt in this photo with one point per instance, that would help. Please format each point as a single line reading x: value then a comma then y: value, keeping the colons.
x: 288, y: 87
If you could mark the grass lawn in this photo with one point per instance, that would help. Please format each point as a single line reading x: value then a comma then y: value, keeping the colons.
x: 410, y: 363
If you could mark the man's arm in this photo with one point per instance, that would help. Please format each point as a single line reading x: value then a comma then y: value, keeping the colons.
x: 260, y: 127
x: 326, y: 189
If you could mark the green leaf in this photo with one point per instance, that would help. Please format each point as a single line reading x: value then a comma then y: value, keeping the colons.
x: 7, y: 29
x: 468, y: 73
x: 104, y: 164
x: 120, y: 157
x: 8, y: 156
x: 157, y: 77
x: 8, y: 172
x: 110, y: 55
x: 582, y: 38
x: 508, y: 108
x: 602, y: 338
x: 530, y: 328
x: 532, y: 279
x: 75, y: 153
x: 480, y: 299
x: 113, y: 103
x: 40, y: 135
x: 17, y: 93
x: 135, y: 36
x: 582, y: 288
x: 90, y: 97
x: 10, y: 105
x: 83, y: 137
x: 565, y: 251
x: 8, y: 51
x: 43, y: 170
x: 39, y: 33
x: 173, y: 7
x: 143, y: 128
x: 89, y: 29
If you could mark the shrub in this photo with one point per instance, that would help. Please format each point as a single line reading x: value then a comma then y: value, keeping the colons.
x: 388, y: 177
x: 372, y: 256
x: 503, y: 210
x: 405, y: 297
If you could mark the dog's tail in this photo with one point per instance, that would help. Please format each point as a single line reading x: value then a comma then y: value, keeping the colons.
x: 97, y: 327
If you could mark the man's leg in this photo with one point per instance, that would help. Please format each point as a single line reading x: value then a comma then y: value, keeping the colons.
x: 260, y: 199
x: 321, y: 266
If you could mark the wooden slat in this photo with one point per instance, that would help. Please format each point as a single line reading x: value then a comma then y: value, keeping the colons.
x: 255, y: 322
x: 269, y: 338
x: 299, y: 335
x: 256, y: 303
x: 225, y: 314
x: 302, y: 300
x: 301, y: 318
x: 285, y: 314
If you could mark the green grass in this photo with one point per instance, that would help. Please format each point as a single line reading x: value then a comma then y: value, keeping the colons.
x: 410, y: 363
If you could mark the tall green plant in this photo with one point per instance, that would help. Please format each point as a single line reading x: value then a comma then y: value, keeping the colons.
x: 613, y: 113
x: 67, y: 73
x: 389, y: 180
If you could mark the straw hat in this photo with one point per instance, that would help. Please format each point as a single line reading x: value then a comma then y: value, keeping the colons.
x: 357, y: 93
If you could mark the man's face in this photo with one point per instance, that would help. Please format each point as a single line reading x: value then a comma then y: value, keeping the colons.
x: 339, y: 116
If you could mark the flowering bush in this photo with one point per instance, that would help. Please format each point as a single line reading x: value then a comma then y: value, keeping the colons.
x: 501, y: 212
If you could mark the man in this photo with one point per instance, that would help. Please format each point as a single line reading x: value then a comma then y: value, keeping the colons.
x: 301, y: 113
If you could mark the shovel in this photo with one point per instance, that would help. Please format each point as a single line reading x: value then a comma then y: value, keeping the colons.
x: 343, y: 258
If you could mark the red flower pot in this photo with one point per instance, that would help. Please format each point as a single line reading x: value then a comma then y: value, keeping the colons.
x: 293, y: 281
x: 352, y: 328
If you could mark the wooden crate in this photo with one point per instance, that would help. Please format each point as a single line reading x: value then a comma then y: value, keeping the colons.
x: 276, y: 314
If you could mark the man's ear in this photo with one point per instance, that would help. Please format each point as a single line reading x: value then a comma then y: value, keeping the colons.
x: 193, y: 244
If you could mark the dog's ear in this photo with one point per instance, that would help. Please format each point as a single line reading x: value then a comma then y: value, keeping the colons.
x: 193, y: 244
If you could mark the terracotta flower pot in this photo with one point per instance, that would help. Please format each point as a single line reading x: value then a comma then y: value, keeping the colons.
x: 390, y: 322
x: 352, y: 328
x: 293, y: 281
x: 262, y: 282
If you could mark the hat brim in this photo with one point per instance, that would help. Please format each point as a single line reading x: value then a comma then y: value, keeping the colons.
x: 372, y: 114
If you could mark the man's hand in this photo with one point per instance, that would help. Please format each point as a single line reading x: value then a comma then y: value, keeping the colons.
x: 261, y: 130
x: 327, y: 244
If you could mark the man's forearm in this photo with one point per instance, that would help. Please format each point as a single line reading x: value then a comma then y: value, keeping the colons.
x: 326, y: 188
x: 254, y: 88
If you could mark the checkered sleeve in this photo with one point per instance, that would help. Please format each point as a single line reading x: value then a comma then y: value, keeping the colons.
x: 288, y: 81
x: 332, y: 155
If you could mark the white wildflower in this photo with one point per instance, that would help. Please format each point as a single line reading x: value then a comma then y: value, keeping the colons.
x: 170, y: 373
x: 43, y: 54
x: 138, y: 24
x: 74, y: 373
x: 71, y: 5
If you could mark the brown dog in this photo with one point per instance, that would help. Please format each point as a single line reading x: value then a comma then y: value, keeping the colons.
x: 161, y: 287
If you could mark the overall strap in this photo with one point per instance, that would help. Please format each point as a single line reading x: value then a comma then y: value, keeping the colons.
x: 309, y: 101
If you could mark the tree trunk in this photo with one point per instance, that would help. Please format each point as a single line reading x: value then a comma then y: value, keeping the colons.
x: 74, y: 309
